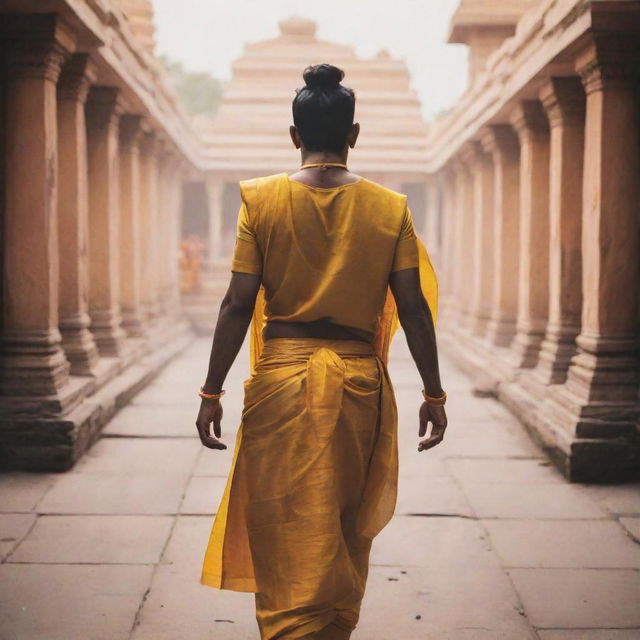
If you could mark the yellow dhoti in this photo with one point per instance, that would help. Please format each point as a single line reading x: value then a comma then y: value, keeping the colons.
x: 314, y: 480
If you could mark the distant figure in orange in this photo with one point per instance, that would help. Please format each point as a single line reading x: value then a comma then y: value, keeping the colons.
x: 191, y: 250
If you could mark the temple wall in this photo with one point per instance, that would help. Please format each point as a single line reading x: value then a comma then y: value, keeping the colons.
x: 534, y: 180
x: 95, y: 152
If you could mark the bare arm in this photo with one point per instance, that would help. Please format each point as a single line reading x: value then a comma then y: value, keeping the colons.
x: 415, y: 318
x: 234, y: 318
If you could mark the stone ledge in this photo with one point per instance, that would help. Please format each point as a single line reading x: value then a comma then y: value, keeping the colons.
x: 585, y: 460
x: 56, y: 443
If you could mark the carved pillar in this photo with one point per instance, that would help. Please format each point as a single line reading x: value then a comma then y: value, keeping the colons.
x: 103, y: 112
x: 460, y: 259
x: 174, y: 233
x: 130, y: 233
x: 33, y: 362
x: 501, y: 141
x: 483, y: 254
x: 73, y: 87
x: 431, y: 227
x: 149, y: 225
x: 214, y: 192
x: 445, y: 179
x: 466, y: 230
x: 605, y: 371
x: 531, y: 124
x: 564, y: 101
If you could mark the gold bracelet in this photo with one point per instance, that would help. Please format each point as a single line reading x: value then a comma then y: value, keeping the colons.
x: 210, y: 396
x: 435, y: 402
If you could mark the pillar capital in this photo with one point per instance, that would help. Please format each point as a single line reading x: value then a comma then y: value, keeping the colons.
x: 564, y: 100
x: 36, y: 46
x: 149, y: 143
x: 104, y: 106
x: 76, y: 78
x: 471, y: 153
x: 608, y: 60
x: 529, y: 117
x: 132, y: 131
x: 500, y: 138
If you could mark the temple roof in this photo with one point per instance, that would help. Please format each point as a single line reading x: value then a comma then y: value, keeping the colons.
x: 488, y: 14
x: 249, y: 133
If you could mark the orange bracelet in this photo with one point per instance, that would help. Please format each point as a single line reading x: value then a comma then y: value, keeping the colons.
x: 210, y: 396
x: 435, y: 402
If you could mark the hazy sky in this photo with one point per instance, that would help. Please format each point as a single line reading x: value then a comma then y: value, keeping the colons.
x: 207, y: 35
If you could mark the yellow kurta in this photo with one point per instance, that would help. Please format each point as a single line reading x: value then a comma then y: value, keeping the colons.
x: 315, y: 468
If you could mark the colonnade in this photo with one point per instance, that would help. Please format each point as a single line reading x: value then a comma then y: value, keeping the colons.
x: 91, y: 212
x: 540, y: 257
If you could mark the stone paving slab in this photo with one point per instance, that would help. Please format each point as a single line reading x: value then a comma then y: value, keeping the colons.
x: 94, y: 539
x: 507, y: 500
x: 21, y: 492
x: 441, y: 602
x: 433, y: 542
x: 563, y: 543
x: 70, y: 602
x: 113, y: 493
x: 13, y: 528
x: 140, y: 455
x: 575, y: 598
x: 520, y: 471
x: 203, y: 495
x: 590, y: 634
x: 440, y: 495
x: 154, y: 420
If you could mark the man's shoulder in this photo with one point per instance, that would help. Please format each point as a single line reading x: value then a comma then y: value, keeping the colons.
x: 380, y: 191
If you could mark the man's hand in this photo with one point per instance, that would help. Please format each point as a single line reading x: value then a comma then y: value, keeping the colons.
x: 210, y: 411
x: 438, y: 418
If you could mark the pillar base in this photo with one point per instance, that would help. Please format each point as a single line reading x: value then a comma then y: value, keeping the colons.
x: 32, y: 364
x: 108, y: 334
x: 501, y: 331
x: 526, y: 347
x: 79, y: 345
x: 133, y: 323
x: 46, y: 436
x: 589, y: 441
x: 556, y: 352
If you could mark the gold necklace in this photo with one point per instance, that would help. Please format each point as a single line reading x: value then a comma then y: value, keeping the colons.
x: 323, y: 165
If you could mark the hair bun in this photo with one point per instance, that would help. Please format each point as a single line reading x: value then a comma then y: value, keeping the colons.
x: 323, y: 76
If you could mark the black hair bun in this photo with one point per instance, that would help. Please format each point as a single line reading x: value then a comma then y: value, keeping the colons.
x: 323, y: 76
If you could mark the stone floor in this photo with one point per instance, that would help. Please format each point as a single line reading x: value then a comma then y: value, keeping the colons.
x: 489, y: 542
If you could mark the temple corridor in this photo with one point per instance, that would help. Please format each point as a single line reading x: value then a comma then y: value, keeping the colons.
x: 489, y: 541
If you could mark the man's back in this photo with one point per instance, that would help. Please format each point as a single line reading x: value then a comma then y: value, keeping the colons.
x: 324, y: 253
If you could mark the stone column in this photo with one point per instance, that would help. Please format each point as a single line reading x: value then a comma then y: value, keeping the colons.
x: 433, y: 217
x: 532, y: 126
x: 131, y: 263
x: 605, y: 370
x: 466, y: 248
x: 149, y: 225
x: 174, y: 233
x: 166, y: 215
x: 214, y: 187
x: 501, y: 141
x: 564, y: 101
x: 33, y: 362
x: 483, y: 238
x: 103, y: 112
x: 73, y: 219
x: 446, y: 182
